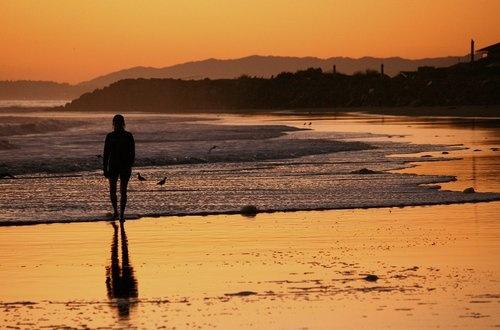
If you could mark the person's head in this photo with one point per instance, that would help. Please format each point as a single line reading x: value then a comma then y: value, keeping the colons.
x: 118, y: 122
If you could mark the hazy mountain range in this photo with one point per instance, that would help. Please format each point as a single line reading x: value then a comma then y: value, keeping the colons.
x: 259, y: 66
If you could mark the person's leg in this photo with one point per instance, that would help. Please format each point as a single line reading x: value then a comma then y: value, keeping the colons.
x: 113, y: 180
x: 124, y: 178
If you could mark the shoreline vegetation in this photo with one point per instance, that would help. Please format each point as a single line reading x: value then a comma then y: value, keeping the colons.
x: 460, y: 90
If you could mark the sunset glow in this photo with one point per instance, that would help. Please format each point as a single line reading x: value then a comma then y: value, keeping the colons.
x: 72, y: 41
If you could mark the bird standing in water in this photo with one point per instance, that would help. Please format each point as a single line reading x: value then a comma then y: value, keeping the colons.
x: 212, y: 148
x: 140, y: 177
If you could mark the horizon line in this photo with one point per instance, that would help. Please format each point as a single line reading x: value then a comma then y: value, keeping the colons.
x: 234, y: 59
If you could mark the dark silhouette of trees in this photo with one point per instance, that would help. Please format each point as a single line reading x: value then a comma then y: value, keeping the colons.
x: 461, y: 84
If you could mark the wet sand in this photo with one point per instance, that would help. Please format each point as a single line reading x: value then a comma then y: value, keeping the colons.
x: 436, y: 266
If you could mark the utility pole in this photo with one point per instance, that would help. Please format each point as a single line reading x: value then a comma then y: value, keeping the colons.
x: 382, y: 69
x: 472, y: 50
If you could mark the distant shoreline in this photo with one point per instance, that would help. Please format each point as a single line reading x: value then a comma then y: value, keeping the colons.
x: 492, y: 111
x: 440, y: 111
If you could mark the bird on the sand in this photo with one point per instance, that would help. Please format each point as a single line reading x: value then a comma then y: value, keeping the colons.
x: 212, y: 148
x: 140, y: 177
x: 162, y: 182
x: 6, y: 175
x: 310, y: 123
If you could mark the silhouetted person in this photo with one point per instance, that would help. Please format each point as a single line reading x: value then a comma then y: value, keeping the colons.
x: 121, y: 283
x: 118, y: 159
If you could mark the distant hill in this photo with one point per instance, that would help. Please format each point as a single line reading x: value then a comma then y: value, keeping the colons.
x: 259, y: 66
x: 460, y: 84
x: 267, y: 66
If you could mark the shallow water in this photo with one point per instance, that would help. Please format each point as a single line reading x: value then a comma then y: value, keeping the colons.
x: 273, y: 162
x: 478, y: 139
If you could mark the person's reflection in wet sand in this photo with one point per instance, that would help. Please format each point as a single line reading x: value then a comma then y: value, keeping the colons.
x: 120, y: 281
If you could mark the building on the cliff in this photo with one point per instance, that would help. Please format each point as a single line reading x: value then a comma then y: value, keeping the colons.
x: 491, y: 52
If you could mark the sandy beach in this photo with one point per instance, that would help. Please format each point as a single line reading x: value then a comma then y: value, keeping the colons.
x: 396, y: 267
x: 436, y: 267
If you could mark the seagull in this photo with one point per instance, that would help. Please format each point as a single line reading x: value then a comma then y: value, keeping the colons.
x: 162, y: 182
x: 6, y: 175
x: 212, y: 148
x: 140, y: 177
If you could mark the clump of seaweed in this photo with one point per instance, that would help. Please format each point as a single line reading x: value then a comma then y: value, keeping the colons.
x: 249, y: 210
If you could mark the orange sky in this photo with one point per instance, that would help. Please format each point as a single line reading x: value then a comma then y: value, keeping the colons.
x: 69, y: 40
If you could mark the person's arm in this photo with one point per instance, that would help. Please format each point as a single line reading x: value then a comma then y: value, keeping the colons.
x: 105, y: 156
x: 132, y: 150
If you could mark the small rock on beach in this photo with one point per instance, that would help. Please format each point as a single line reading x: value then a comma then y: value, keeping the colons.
x: 365, y: 171
x: 371, y: 278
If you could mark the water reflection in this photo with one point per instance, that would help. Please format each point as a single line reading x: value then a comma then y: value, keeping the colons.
x: 121, y: 283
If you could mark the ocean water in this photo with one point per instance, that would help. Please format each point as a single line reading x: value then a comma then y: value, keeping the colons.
x: 275, y: 163
x: 32, y: 103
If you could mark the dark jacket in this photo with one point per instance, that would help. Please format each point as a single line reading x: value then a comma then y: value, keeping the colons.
x: 119, y: 152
